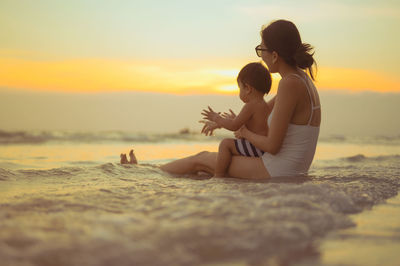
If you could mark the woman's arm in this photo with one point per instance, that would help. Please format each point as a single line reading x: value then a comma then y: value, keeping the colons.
x: 284, y: 106
x: 230, y: 124
x: 271, y: 103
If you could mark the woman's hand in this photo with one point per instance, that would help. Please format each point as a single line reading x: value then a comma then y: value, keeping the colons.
x: 231, y: 115
x: 241, y: 133
x: 209, y: 127
x: 210, y: 114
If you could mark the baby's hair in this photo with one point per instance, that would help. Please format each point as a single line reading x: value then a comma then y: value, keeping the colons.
x: 257, y: 76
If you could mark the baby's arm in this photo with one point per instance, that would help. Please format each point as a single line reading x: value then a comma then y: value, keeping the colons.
x: 230, y: 124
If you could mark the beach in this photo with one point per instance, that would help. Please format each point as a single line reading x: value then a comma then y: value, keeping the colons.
x: 67, y: 201
x: 375, y: 240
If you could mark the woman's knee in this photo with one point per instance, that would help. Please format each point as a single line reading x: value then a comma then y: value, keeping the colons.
x: 201, y: 154
x: 198, y: 159
x: 204, y: 161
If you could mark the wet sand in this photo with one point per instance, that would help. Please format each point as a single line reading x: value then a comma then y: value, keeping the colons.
x: 375, y: 240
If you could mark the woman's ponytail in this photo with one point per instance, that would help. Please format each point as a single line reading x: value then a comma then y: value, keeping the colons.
x: 304, y: 58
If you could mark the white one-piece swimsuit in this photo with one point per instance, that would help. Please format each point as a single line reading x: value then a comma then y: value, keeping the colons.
x: 298, y: 147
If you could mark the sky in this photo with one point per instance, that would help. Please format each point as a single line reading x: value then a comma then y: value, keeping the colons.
x: 55, y: 49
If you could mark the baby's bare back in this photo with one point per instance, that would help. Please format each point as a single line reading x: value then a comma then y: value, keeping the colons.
x: 258, y: 122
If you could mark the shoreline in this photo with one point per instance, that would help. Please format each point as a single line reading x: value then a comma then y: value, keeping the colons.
x: 375, y: 240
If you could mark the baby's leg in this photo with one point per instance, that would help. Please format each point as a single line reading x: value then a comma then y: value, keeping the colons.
x: 226, y: 150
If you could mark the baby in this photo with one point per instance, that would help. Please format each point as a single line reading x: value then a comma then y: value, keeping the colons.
x: 254, y: 82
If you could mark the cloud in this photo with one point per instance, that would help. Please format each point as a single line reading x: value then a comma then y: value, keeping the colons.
x: 356, y: 80
x: 169, y: 76
x: 316, y: 11
x: 100, y: 75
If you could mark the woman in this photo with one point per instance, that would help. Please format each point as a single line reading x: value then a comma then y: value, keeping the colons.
x: 294, y: 121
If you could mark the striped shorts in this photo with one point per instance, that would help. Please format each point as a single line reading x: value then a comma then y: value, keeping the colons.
x: 245, y: 148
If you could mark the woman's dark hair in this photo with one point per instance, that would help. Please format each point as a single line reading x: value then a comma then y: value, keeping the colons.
x: 257, y: 76
x: 283, y: 37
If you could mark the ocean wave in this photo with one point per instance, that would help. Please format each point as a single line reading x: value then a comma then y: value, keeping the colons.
x: 375, y: 178
x: 356, y: 158
x: 149, y: 217
x: 348, y: 164
x: 378, y: 139
x: 362, y: 158
x: 42, y: 137
x: 6, y: 174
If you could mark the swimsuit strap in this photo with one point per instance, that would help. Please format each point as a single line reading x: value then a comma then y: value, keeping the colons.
x: 309, y: 94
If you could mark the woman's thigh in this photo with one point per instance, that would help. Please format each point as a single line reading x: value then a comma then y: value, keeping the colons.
x: 206, y: 161
x: 248, y: 167
x: 240, y: 167
x: 203, y: 161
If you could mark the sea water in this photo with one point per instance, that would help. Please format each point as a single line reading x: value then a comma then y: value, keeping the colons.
x: 66, y: 200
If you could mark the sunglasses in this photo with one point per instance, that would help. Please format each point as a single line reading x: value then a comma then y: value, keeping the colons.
x: 259, y: 50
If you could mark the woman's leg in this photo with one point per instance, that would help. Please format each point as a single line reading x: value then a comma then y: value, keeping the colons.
x: 247, y: 167
x: 203, y: 161
x: 240, y: 167
x: 225, y: 152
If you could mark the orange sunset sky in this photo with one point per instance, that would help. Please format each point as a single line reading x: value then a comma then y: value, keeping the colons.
x: 186, y: 47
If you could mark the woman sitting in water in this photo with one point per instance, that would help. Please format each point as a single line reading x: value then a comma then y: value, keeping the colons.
x: 293, y: 123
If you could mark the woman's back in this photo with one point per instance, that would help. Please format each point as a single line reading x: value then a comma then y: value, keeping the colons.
x: 299, y: 144
x: 308, y: 110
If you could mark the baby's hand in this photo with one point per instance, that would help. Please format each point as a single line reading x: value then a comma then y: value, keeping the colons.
x: 240, y: 134
x: 231, y: 116
x: 209, y: 127
x: 210, y: 114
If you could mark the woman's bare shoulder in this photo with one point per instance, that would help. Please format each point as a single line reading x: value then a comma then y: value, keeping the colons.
x: 291, y: 82
x: 291, y: 86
